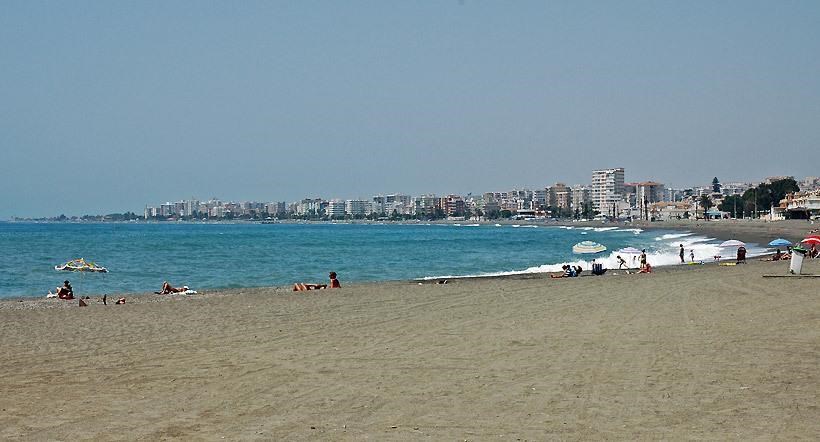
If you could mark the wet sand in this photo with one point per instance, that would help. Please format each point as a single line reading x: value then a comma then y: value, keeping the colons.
x: 689, y: 352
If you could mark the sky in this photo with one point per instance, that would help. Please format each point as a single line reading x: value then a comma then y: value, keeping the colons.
x: 106, y: 106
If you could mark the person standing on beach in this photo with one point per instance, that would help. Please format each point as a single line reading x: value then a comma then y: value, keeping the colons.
x: 643, y: 258
x: 682, y: 261
x: 692, y: 255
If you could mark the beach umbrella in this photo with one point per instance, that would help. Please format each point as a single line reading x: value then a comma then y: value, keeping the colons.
x: 780, y: 242
x: 811, y: 240
x: 813, y: 236
x: 630, y: 251
x: 81, y: 265
x: 588, y: 247
x: 732, y: 243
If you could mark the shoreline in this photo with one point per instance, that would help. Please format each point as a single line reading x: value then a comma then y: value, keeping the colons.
x: 750, y: 231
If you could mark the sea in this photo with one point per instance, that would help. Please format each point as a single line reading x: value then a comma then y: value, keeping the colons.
x: 140, y: 256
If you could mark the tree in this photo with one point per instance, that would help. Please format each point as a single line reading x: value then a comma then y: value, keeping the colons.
x: 706, y: 203
x: 506, y: 214
x: 716, y: 185
x: 733, y: 204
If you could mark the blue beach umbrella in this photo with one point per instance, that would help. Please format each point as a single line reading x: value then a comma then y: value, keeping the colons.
x: 780, y: 242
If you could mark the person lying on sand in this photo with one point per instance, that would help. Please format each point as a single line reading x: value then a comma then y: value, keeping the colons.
x: 168, y: 289
x: 334, y: 284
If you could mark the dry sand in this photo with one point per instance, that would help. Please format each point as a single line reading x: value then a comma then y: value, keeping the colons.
x: 690, y: 352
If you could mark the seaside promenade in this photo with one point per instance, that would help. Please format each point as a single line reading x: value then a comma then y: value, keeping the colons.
x: 689, y: 352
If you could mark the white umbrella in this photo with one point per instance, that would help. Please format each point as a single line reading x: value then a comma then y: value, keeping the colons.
x: 588, y: 247
x: 732, y: 243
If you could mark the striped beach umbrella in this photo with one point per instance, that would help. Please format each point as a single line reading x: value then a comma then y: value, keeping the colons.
x: 588, y: 247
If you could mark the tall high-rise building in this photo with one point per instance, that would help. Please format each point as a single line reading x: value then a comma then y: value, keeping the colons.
x: 607, y: 188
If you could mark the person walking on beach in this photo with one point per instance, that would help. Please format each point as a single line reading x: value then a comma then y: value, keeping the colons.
x: 621, y: 262
x: 682, y: 261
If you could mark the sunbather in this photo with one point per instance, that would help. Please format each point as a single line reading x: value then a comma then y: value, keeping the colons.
x: 334, y: 284
x: 168, y: 289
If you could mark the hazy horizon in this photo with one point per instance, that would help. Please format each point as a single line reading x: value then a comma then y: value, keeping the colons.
x: 109, y: 106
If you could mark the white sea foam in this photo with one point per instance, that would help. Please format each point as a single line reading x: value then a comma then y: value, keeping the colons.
x: 635, y: 231
x: 705, y: 248
x: 673, y: 236
x: 528, y: 226
x: 604, y: 229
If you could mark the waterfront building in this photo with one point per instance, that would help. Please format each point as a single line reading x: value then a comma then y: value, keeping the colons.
x: 607, y: 188
x: 453, y: 205
x: 540, y: 197
x: 336, y: 208
x: 560, y: 196
x: 580, y: 195
x: 799, y: 205
x: 425, y: 205
x: 358, y: 207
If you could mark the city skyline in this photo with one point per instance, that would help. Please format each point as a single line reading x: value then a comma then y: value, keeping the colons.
x: 603, y: 195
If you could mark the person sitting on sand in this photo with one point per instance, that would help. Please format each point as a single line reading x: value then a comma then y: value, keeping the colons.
x: 578, y: 270
x: 621, y: 262
x: 334, y: 282
x: 65, y: 292
x: 647, y: 268
x: 741, y: 254
x: 567, y: 272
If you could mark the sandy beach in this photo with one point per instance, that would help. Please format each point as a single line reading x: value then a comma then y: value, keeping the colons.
x: 689, y: 352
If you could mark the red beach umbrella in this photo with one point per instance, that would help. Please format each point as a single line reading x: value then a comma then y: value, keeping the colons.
x: 813, y: 240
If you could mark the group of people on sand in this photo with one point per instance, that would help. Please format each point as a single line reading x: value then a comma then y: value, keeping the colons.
x: 333, y: 284
x: 568, y: 271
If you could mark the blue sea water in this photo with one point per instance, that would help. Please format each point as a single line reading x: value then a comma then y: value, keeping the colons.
x: 208, y: 256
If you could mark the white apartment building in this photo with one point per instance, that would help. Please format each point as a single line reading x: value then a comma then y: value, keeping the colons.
x: 607, y: 188
x: 336, y: 208
x: 580, y: 195
x: 358, y: 207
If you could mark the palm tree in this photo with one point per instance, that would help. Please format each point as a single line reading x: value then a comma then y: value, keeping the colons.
x: 706, y: 203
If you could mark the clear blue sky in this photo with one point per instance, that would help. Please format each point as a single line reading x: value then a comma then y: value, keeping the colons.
x: 108, y: 105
